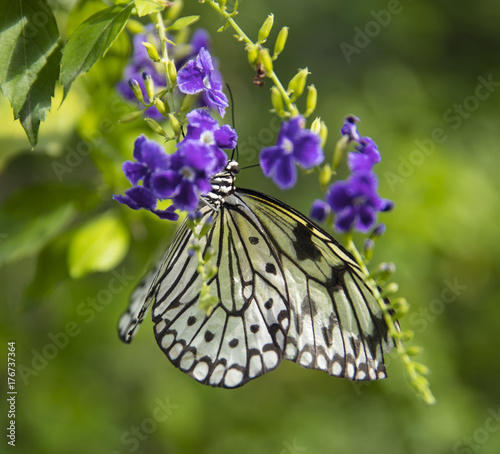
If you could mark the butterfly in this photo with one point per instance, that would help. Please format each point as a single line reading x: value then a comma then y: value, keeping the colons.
x: 285, y: 289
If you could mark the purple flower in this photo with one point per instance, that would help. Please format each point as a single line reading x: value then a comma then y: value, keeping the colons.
x: 368, y: 154
x: 182, y: 176
x: 319, y: 210
x: 198, y: 76
x: 149, y: 159
x: 294, y: 144
x: 356, y: 202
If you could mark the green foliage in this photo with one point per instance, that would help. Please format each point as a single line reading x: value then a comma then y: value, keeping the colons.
x: 91, y: 40
x: 29, y: 61
x: 99, y: 245
x: 32, y: 217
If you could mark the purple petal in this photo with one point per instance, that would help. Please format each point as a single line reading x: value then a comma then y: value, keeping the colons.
x: 197, y: 155
x: 268, y: 158
x: 387, y: 205
x: 358, y: 162
x: 226, y: 137
x: 204, y: 61
x: 286, y: 172
x: 150, y: 153
x: 345, y: 219
x: 200, y: 39
x: 349, y: 128
x: 137, y: 197
x: 169, y: 213
x: 215, y: 98
x: 134, y: 171
x: 187, y: 197
x: 339, y: 196
x: 190, y: 79
x: 165, y: 183
x: 307, y: 150
x: 368, y: 147
x: 203, y: 185
x: 366, y: 218
x: 319, y: 210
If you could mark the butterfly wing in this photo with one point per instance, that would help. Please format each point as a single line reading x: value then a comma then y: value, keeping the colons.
x: 336, y: 324
x: 244, y: 335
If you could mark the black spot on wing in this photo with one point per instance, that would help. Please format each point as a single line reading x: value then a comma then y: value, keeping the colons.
x: 303, y: 244
x: 253, y: 240
x: 270, y: 268
x: 209, y: 336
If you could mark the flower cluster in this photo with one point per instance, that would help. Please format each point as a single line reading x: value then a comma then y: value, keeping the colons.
x: 142, y: 66
x: 355, y: 201
x: 182, y: 176
x: 295, y: 144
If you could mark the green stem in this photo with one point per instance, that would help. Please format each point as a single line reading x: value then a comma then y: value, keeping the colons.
x: 242, y: 36
x: 416, y: 380
x: 162, y: 34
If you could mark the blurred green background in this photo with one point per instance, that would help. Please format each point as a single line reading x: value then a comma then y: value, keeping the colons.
x: 413, y: 80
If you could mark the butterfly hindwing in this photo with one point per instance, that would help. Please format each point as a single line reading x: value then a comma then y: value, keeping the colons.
x: 244, y: 335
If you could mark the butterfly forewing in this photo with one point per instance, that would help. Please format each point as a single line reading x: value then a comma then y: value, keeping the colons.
x: 336, y: 324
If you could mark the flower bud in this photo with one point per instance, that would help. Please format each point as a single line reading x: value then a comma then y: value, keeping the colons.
x: 174, y: 124
x: 297, y: 84
x: 316, y: 125
x: 252, y: 54
x: 187, y: 102
x: 155, y: 126
x: 323, y: 133
x: 266, y: 28
x: 150, y: 85
x: 280, y: 42
x: 161, y: 106
x: 131, y: 116
x: 325, y: 175
x: 339, y: 152
x: 136, y: 88
x: 171, y: 73
x: 174, y: 10
x: 421, y: 368
x: 266, y: 61
x: 414, y: 350
x: 152, y: 52
x: 312, y: 98
x: 368, y: 249
x: 390, y: 289
x: 277, y: 101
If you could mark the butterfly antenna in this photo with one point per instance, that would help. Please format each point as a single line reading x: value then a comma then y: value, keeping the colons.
x: 249, y: 167
x: 235, y: 150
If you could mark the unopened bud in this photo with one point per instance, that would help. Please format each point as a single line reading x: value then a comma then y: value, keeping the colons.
x: 312, y: 99
x: 390, y: 289
x: 414, y: 350
x: 316, y: 125
x: 266, y: 61
x: 280, y: 42
x: 252, y: 54
x: 155, y: 126
x: 368, y: 249
x: 325, y: 175
x: 136, y: 88
x: 131, y: 116
x: 171, y: 73
x: 187, y: 103
x: 150, y: 85
x: 161, y: 106
x: 297, y: 84
x: 400, y: 306
x: 152, y: 52
x: 174, y: 124
x: 277, y: 101
x: 339, y: 152
x: 266, y: 28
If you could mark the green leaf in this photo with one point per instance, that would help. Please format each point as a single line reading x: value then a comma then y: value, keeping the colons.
x: 145, y: 7
x: 33, y: 216
x: 183, y: 22
x: 29, y: 60
x: 99, y: 245
x: 91, y: 40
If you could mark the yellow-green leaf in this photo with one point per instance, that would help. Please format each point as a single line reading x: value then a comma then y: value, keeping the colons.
x: 99, y: 245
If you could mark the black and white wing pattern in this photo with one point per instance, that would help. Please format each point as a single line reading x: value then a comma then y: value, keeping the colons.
x: 285, y: 290
x: 336, y: 324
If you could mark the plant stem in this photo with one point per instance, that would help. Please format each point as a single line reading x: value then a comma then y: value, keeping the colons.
x: 162, y: 34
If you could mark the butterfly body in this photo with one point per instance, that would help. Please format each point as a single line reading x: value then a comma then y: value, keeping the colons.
x: 285, y: 290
